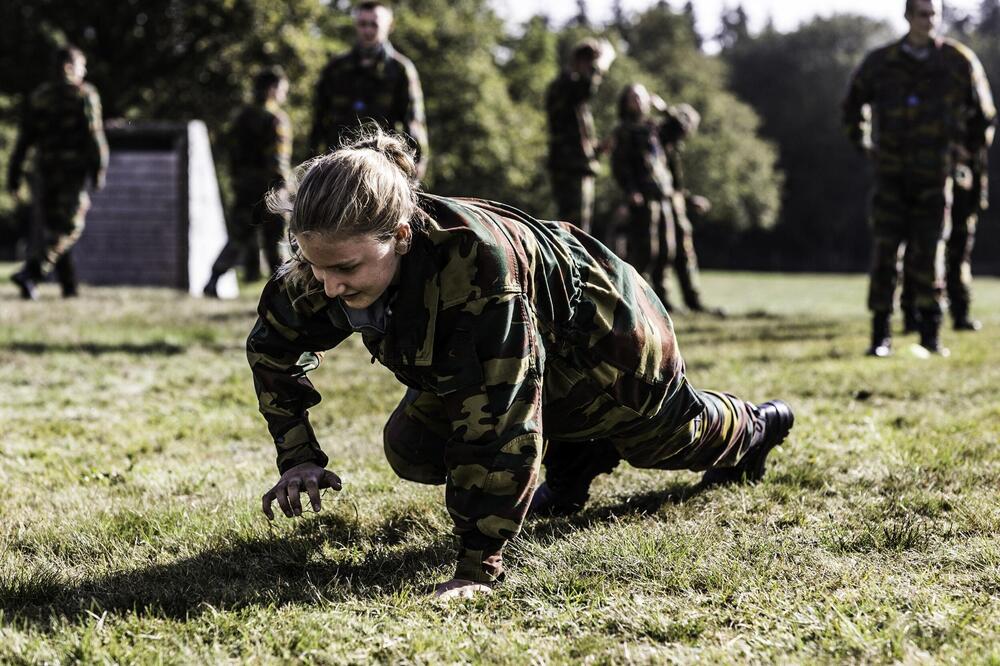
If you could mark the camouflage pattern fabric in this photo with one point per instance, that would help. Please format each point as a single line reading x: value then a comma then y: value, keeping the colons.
x: 388, y: 93
x: 573, y: 158
x: 499, y: 323
x: 574, y: 194
x: 62, y: 121
x: 260, y: 149
x: 924, y: 110
x: 659, y: 232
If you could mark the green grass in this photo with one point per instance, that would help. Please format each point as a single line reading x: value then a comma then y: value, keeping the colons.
x: 132, y: 460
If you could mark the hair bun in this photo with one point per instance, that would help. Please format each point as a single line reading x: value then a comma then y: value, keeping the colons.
x: 391, y: 146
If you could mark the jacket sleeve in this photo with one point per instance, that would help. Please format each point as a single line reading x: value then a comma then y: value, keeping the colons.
x: 414, y: 122
x: 98, y: 148
x: 317, y: 134
x: 280, y: 152
x: 855, y: 119
x: 26, y: 136
x: 495, y: 451
x: 623, y: 163
x: 983, y: 112
x: 285, y: 344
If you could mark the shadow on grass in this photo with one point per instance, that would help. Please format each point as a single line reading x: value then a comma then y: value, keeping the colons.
x: 156, y: 348
x: 274, y: 570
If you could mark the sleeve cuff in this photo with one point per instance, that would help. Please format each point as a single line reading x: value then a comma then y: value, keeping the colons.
x: 481, y: 561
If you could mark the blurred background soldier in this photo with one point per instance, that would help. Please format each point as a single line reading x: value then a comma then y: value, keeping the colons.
x: 573, y: 145
x: 659, y: 233
x: 62, y: 120
x: 260, y: 149
x: 931, y: 104
x: 371, y: 81
x: 971, y: 196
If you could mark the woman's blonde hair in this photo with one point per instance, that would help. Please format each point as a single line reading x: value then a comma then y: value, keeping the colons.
x: 366, y: 187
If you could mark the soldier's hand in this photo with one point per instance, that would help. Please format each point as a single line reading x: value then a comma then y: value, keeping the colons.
x: 459, y: 588
x: 99, y: 180
x: 309, y: 477
x: 699, y: 204
x: 636, y: 199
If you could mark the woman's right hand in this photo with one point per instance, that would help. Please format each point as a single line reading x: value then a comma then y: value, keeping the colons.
x: 636, y: 199
x: 308, y: 476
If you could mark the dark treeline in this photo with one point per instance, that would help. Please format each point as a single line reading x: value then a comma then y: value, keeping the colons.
x: 789, y: 193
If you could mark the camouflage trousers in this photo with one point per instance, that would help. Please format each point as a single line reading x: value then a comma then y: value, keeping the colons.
x: 911, y: 215
x: 251, y: 223
x: 574, y: 195
x: 60, y: 207
x: 660, y: 236
x: 957, y: 255
x: 416, y: 435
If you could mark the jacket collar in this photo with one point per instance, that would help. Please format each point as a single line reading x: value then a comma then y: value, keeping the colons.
x: 414, y: 310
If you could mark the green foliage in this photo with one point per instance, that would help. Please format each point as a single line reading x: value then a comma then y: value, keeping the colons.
x: 133, y: 459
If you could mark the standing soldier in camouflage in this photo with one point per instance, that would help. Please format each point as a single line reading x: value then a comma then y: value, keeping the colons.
x: 62, y: 120
x: 260, y: 149
x: 659, y: 232
x: 371, y: 82
x: 497, y: 323
x: 932, y: 108
x: 573, y: 144
x: 971, y: 196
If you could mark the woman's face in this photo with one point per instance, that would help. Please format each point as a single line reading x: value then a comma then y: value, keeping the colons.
x: 354, y: 268
x: 637, y: 100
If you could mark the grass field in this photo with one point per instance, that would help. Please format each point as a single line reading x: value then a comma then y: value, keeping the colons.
x: 132, y: 460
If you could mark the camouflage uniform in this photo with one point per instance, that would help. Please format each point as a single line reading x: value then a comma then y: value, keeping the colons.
x: 500, y: 323
x: 659, y: 232
x: 970, y: 197
x: 349, y: 93
x: 62, y: 120
x: 923, y: 107
x: 260, y: 149
x: 572, y: 146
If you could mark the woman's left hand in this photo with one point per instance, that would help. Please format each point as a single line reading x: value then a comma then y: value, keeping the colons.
x: 459, y: 588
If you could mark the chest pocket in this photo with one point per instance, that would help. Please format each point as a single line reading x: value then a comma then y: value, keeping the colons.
x: 456, y: 365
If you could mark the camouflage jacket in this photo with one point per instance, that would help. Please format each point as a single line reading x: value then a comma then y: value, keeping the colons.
x: 639, y: 160
x: 572, y: 137
x: 62, y: 120
x: 512, y: 322
x: 920, y: 109
x: 388, y: 93
x: 260, y: 146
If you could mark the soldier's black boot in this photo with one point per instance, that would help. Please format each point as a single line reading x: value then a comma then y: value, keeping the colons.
x: 962, y: 322
x: 930, y: 332
x: 66, y: 274
x: 27, y: 278
x: 881, y: 335
x: 570, y: 468
x: 211, y: 289
x: 774, y: 420
x: 911, y: 320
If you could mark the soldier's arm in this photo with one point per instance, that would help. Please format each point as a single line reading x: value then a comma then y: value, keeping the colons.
x: 855, y: 118
x: 280, y: 152
x: 414, y: 121
x: 317, y: 134
x: 284, y: 346
x: 25, y: 139
x: 98, y: 142
x: 983, y: 112
x: 495, y: 451
x: 623, y: 164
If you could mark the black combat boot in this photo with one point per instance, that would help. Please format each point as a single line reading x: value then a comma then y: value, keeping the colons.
x: 66, y: 274
x: 881, y: 335
x: 774, y: 420
x: 211, y: 288
x: 911, y: 319
x: 570, y: 468
x: 960, y: 317
x: 930, y: 329
x: 27, y: 279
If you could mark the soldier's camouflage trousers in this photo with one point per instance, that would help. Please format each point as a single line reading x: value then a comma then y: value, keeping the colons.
x: 574, y: 195
x: 250, y: 223
x: 61, y: 207
x: 416, y: 435
x: 957, y: 255
x: 915, y: 216
x: 660, y: 236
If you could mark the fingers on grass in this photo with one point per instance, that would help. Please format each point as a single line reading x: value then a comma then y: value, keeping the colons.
x: 312, y: 487
x: 294, y: 490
